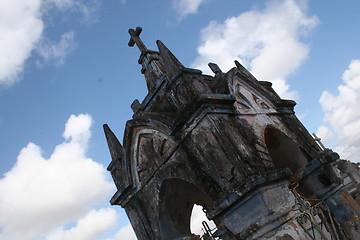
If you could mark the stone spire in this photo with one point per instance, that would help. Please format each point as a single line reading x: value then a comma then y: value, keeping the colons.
x: 116, y: 149
x: 172, y: 65
x: 117, y: 166
x: 152, y: 66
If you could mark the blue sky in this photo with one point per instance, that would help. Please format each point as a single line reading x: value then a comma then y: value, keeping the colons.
x: 66, y: 69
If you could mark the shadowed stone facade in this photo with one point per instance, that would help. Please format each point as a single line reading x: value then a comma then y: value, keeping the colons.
x: 229, y: 143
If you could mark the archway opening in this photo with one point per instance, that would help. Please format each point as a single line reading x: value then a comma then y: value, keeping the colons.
x: 177, y: 199
x: 284, y: 152
x: 198, y: 216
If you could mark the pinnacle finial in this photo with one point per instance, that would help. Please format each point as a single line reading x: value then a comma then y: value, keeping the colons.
x: 244, y: 71
x: 215, y: 69
x: 115, y: 147
x: 171, y: 64
x: 135, y: 39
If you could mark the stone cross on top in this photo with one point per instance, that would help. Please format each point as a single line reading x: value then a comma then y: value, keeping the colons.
x: 135, y: 39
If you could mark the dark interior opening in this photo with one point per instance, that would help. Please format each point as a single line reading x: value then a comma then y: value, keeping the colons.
x: 284, y: 152
x: 177, y: 200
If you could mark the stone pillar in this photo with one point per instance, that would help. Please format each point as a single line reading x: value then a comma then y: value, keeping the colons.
x: 261, y: 210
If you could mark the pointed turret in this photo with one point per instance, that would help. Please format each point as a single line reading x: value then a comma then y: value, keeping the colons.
x: 118, y: 167
x: 115, y: 147
x: 244, y: 71
x: 215, y: 69
x: 172, y: 65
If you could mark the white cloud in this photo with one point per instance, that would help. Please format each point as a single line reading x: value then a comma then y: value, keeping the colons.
x: 56, y: 52
x: 125, y: 233
x: 325, y: 134
x: 39, y: 194
x: 186, y: 7
x: 342, y: 112
x: 77, y: 128
x: 89, y: 227
x: 268, y: 42
x: 86, y: 8
x: 20, y: 29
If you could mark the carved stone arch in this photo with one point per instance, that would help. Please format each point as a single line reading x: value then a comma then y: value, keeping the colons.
x: 148, y: 145
x: 177, y: 198
x: 284, y: 151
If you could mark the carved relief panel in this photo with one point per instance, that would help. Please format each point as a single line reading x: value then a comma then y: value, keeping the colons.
x: 152, y: 149
x: 249, y: 101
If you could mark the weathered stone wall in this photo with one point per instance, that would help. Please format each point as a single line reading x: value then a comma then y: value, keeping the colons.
x: 228, y: 143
